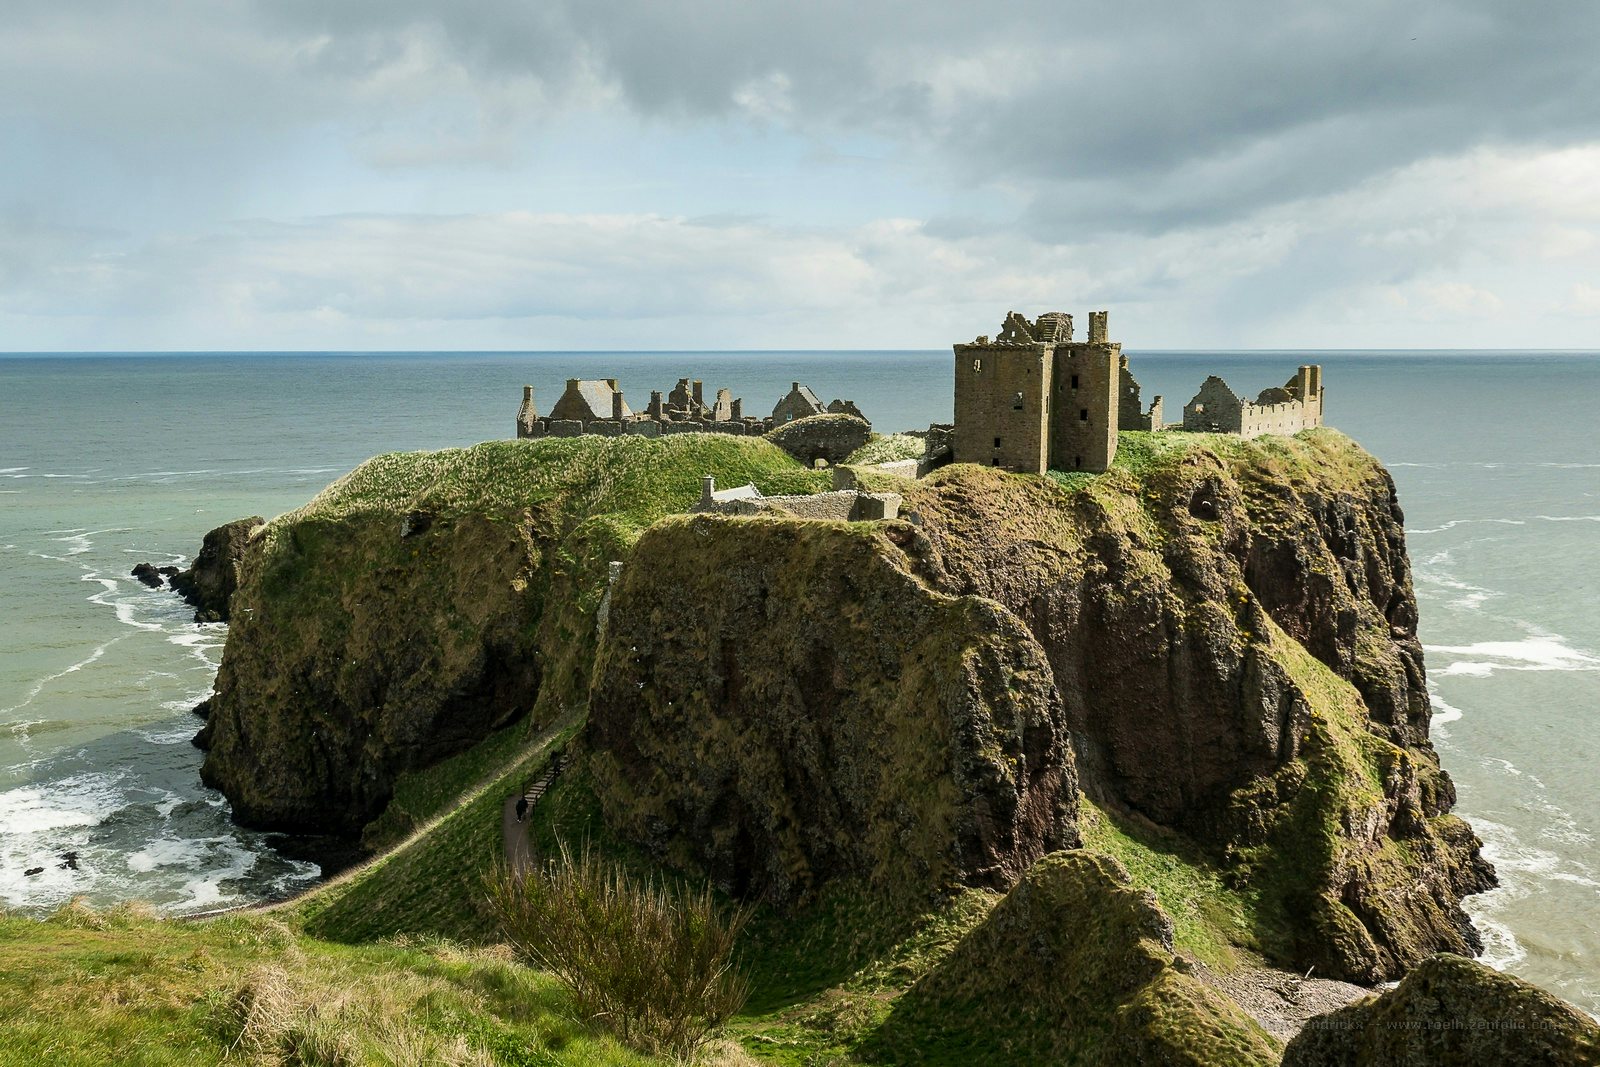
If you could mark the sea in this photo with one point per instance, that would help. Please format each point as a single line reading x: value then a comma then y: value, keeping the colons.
x: 110, y: 460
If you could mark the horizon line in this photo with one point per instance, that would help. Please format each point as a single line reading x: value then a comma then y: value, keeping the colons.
x: 711, y: 351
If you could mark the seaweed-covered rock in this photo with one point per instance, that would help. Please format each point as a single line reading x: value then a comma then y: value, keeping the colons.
x: 1232, y: 629
x: 209, y: 582
x: 780, y: 703
x: 426, y: 599
x: 1074, y: 966
x: 826, y: 437
x: 1450, y: 1012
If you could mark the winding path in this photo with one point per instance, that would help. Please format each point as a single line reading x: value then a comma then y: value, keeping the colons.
x: 519, y: 853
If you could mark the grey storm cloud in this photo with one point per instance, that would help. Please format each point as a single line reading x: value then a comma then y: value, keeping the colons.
x: 1094, y: 115
x: 1099, y: 114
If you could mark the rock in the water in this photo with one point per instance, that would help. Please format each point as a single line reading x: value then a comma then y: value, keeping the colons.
x: 1450, y: 1012
x: 1074, y: 966
x: 780, y: 703
x: 148, y: 575
x: 31, y: 871
x: 209, y: 582
x: 826, y: 437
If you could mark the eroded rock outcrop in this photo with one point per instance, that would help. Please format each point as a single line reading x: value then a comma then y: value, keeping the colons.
x: 780, y: 703
x: 1450, y: 1012
x: 1075, y: 965
x: 209, y: 582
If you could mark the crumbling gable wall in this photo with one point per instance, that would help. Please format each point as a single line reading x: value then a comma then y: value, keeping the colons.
x: 1296, y: 406
x: 1131, y: 414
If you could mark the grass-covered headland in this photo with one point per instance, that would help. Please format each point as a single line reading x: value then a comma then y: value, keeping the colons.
x: 1038, y: 775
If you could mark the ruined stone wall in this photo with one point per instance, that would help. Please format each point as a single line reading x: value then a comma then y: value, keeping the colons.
x: 1214, y: 409
x: 1002, y: 399
x: 1295, y: 407
x: 642, y: 427
x: 1131, y: 413
x: 1083, y: 427
x: 843, y: 505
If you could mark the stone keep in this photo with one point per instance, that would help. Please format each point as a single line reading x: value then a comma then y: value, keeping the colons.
x: 1034, y: 399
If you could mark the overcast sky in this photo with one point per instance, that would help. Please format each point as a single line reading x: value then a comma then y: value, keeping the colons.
x: 536, y: 174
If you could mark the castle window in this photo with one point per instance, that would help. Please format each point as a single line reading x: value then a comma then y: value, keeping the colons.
x: 1016, y: 402
x: 997, y: 442
x: 1077, y: 461
x: 1083, y: 415
x: 1074, y: 381
x: 977, y: 366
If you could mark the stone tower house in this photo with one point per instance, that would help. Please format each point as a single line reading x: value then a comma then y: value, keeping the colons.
x: 1034, y: 399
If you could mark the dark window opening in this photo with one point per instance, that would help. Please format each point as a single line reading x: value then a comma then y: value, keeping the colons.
x: 1074, y: 381
x: 1077, y: 461
x: 997, y: 442
x: 994, y: 463
x: 1083, y: 415
x: 1016, y: 402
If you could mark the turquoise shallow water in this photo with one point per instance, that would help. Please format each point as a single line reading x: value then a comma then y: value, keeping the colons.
x: 109, y: 460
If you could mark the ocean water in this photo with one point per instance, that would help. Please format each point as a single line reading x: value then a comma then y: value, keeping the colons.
x: 106, y: 461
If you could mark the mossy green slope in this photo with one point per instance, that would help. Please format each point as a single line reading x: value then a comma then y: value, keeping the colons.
x: 1074, y: 966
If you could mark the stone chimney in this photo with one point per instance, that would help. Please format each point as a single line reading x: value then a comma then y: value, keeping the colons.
x: 738, y: 409
x: 708, y: 489
x: 616, y: 400
x: 528, y: 414
x: 657, y: 408
x: 699, y: 394
x: 1098, y: 333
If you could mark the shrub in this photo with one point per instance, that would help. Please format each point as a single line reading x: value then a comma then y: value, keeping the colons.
x: 650, y: 959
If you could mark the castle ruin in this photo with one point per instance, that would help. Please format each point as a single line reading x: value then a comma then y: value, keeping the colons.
x: 596, y: 406
x: 1295, y: 407
x: 1034, y: 399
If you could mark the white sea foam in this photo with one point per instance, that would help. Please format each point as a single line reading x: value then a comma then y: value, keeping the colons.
x: 13, y: 470
x: 1443, y: 712
x: 1453, y: 523
x: 1541, y: 652
x: 78, y: 801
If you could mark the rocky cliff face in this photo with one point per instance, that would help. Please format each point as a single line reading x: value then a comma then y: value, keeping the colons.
x: 780, y: 703
x: 1232, y: 629
x: 209, y: 582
